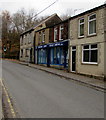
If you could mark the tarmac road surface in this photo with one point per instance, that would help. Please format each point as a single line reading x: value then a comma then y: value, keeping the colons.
x: 38, y: 94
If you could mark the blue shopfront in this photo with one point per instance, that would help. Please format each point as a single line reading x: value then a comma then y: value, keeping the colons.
x: 41, y: 54
x: 59, y: 54
x: 54, y: 54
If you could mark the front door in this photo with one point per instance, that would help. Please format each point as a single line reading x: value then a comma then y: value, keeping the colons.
x: 73, y: 58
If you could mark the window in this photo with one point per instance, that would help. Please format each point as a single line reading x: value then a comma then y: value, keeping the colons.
x: 24, y: 36
x: 22, y: 41
x: 29, y: 38
x: 40, y: 37
x: 27, y: 52
x: 90, y: 53
x: 81, y: 27
x: 55, y: 60
x: 57, y: 56
x: 42, y: 56
x: 92, y: 24
x: 21, y: 52
x: 61, y: 32
x: 55, y: 34
x: 25, y: 39
x: 43, y: 36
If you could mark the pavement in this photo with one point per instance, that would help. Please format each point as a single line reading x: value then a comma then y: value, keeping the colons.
x: 85, y: 80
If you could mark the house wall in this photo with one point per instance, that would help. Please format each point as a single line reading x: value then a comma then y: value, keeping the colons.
x: 28, y: 42
x: 37, y: 42
x: 89, y: 69
x: 105, y: 42
x: 43, y: 25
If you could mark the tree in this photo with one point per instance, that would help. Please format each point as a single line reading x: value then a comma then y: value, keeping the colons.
x: 23, y: 20
x: 6, y: 20
x: 13, y: 26
x: 68, y: 13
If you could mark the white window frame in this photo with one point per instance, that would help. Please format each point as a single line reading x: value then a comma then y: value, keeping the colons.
x: 24, y: 36
x: 79, y: 27
x: 89, y: 49
x: 91, y: 21
x: 55, y: 29
x: 43, y: 36
x: 60, y: 29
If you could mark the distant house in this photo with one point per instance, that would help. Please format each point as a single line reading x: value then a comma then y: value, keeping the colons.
x: 88, y: 42
x: 52, y: 45
x: 42, y: 37
x: 26, y: 46
x: 77, y: 44
x: 27, y: 39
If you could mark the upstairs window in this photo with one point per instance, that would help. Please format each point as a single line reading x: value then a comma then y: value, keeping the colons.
x: 29, y: 38
x: 21, y: 40
x: 40, y: 37
x: 90, y: 53
x: 25, y: 39
x: 55, y: 34
x: 81, y: 27
x: 92, y: 24
x: 61, y: 32
x: 43, y: 37
x: 24, y: 36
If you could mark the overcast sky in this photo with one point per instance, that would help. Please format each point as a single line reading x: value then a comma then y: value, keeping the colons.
x: 60, y: 7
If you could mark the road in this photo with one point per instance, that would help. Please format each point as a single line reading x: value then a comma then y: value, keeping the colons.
x: 38, y: 94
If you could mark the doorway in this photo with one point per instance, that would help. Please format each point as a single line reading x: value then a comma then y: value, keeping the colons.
x: 73, y: 68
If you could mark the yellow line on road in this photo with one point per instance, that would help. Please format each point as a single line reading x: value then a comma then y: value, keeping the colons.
x: 8, y: 100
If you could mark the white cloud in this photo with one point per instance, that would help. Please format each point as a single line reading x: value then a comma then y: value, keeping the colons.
x: 59, y: 7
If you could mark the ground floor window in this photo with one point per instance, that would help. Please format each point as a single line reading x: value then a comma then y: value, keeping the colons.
x: 27, y: 52
x: 90, y: 53
x: 21, y: 53
x: 57, y: 55
x: 42, y: 56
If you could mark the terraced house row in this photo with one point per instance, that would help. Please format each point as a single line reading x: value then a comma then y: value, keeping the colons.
x: 77, y: 44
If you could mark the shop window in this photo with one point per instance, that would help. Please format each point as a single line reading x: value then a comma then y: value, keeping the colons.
x: 92, y: 24
x: 90, y: 53
x: 62, y: 56
x: 51, y: 56
x: 81, y: 27
x: 42, y: 56
x: 57, y: 56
